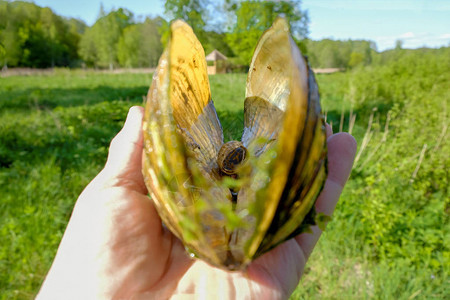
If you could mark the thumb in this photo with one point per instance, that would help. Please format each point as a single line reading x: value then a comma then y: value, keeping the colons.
x: 126, y: 147
x: 125, y: 152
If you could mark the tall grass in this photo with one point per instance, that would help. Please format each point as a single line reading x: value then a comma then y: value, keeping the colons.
x: 389, y: 238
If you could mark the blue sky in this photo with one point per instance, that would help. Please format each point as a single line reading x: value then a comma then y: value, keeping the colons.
x: 416, y: 22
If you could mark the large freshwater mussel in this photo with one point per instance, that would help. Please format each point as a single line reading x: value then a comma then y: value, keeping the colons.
x: 230, y: 203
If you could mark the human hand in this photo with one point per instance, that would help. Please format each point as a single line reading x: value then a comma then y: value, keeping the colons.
x: 116, y: 247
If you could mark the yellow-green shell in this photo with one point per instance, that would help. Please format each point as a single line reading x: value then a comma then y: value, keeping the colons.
x: 284, y: 168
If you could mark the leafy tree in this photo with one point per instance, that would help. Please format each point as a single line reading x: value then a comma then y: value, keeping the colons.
x: 216, y: 40
x: 252, y: 18
x: 151, y: 46
x: 328, y: 53
x: 194, y: 12
x: 12, y: 34
x: 128, y: 46
x: 191, y: 11
x: 35, y: 37
x: 88, y: 47
x: 76, y: 29
x: 99, y: 43
x: 356, y: 59
x: 11, y: 45
x: 197, y: 13
x: 140, y: 44
x: 3, y: 14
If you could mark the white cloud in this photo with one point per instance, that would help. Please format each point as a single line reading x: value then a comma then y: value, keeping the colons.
x: 407, y: 35
x: 381, y: 5
x: 413, y: 40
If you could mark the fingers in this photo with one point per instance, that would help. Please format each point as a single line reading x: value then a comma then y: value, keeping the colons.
x: 329, y: 130
x: 128, y: 142
x: 123, y: 165
x: 341, y: 153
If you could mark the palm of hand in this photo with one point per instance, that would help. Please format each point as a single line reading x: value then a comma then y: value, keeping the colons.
x: 116, y: 247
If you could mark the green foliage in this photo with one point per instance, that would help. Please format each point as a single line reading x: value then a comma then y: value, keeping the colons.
x: 32, y: 36
x: 393, y: 213
x: 115, y: 39
x: 394, y: 75
x: 328, y: 53
x: 99, y: 44
x: 193, y: 12
x: 356, y: 59
x: 140, y: 44
x: 217, y: 41
x: 254, y: 17
x: 196, y: 13
x: 401, y: 206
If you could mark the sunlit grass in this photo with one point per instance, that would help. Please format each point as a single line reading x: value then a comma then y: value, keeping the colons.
x: 386, y: 239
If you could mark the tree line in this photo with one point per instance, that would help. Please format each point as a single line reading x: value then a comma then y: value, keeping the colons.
x: 36, y: 37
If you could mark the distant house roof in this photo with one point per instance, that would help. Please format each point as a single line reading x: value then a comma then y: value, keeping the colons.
x: 215, y: 55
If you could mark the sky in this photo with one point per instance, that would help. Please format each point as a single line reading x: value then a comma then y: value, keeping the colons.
x: 416, y: 22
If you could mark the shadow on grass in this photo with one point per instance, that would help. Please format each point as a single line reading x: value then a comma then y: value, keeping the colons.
x: 71, y: 134
x: 69, y: 123
x: 49, y: 98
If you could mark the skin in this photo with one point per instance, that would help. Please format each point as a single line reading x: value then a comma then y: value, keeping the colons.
x: 116, y: 247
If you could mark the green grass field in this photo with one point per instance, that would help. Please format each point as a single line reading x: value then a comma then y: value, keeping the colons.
x: 389, y: 237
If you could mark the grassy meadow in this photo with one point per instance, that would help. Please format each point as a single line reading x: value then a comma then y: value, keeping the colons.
x: 389, y: 237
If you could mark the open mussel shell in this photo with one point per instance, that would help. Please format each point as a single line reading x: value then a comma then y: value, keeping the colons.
x: 230, y: 203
